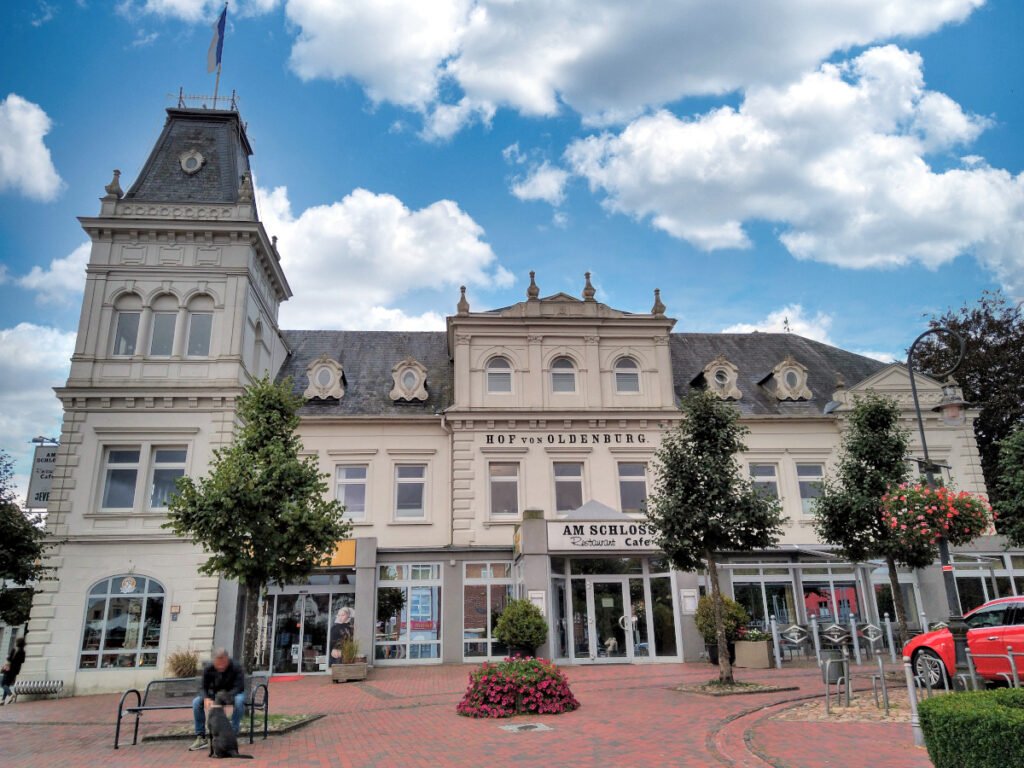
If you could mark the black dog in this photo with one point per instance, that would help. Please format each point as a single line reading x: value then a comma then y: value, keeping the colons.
x: 223, y: 742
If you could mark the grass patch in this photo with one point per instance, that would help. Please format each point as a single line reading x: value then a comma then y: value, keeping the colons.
x: 276, y: 724
x: 717, y: 688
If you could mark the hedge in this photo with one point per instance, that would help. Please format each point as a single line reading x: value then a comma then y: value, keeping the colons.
x: 980, y: 729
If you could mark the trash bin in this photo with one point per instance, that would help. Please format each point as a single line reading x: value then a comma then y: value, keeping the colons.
x: 830, y: 673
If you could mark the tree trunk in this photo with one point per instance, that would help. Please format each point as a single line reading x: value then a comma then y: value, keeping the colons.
x: 724, y: 665
x: 253, y: 593
x: 897, y: 601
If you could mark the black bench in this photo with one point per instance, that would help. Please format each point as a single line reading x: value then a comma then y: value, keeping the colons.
x: 178, y: 693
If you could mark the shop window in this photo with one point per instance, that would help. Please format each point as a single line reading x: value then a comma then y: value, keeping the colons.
x: 971, y: 590
x: 765, y: 479
x: 123, y: 622
x: 350, y: 490
x: 408, y: 624
x: 627, y: 376
x: 499, y: 376
x: 563, y: 375
x: 410, y: 486
x: 885, y: 604
x: 120, y: 477
x: 632, y: 486
x: 486, y: 591
x: 568, y: 486
x: 809, y: 477
x: 504, y: 482
x: 168, y: 466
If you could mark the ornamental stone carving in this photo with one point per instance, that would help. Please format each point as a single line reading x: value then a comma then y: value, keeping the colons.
x: 721, y: 376
x: 791, y: 380
x: 325, y: 379
x: 410, y: 380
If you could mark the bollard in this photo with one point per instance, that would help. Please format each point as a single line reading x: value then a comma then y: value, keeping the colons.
x: 885, y: 691
x: 846, y: 672
x: 924, y: 622
x: 892, y: 643
x: 915, y: 724
x: 817, y: 641
x: 1013, y: 666
x: 970, y: 668
x: 856, y: 640
x: 776, y: 643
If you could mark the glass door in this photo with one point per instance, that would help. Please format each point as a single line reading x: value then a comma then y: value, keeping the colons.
x: 612, y: 626
x: 316, y: 617
x: 287, y: 626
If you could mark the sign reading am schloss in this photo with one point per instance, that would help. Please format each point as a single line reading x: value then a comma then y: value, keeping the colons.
x: 575, y: 536
x: 558, y: 438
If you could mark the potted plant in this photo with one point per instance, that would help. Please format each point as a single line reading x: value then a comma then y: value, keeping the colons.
x: 352, y: 666
x: 734, y: 616
x: 754, y: 649
x: 521, y: 627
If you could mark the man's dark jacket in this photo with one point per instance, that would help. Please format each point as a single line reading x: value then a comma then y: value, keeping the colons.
x: 231, y: 680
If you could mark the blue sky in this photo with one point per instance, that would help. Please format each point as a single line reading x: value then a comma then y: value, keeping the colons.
x: 853, y: 166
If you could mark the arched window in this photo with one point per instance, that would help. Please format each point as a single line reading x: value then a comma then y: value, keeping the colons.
x: 161, y: 335
x: 563, y: 375
x: 627, y: 375
x: 499, y: 375
x: 126, y: 325
x: 123, y: 620
x: 200, y: 325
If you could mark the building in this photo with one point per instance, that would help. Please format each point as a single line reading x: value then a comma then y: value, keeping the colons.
x: 507, y: 456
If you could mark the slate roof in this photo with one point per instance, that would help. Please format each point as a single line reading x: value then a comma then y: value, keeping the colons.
x: 368, y: 356
x: 218, y: 136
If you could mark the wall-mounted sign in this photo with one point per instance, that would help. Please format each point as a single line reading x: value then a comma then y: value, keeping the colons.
x: 536, y: 596
x: 571, y: 438
x: 574, y: 536
x: 41, y: 481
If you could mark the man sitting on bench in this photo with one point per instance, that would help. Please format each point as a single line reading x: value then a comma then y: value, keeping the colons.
x: 224, y: 674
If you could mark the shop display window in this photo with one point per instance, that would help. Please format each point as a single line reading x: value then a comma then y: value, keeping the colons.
x: 123, y: 623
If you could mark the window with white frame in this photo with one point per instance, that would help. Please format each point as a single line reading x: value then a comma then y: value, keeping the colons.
x: 563, y: 375
x: 408, y: 612
x: 199, y: 326
x: 765, y: 477
x: 487, y: 588
x: 120, y: 476
x: 167, y: 466
x: 410, y: 491
x: 161, y: 338
x: 568, y: 486
x: 126, y: 334
x: 123, y: 622
x: 504, y: 482
x: 632, y: 486
x: 627, y: 376
x: 350, y: 490
x: 499, y: 376
x: 809, y: 476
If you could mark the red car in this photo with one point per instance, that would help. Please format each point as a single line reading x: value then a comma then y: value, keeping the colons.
x: 990, y: 629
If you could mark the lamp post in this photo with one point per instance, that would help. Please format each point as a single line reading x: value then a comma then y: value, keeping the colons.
x: 950, y: 406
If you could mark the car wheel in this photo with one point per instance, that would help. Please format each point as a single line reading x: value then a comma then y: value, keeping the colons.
x: 928, y: 667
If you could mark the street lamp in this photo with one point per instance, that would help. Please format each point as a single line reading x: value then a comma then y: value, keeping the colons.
x: 951, y: 407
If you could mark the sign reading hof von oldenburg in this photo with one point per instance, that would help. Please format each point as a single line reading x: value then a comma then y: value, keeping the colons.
x: 42, y: 476
x: 575, y: 535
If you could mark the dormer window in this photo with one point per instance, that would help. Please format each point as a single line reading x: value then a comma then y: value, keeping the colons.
x: 720, y: 376
x: 563, y: 375
x: 499, y: 376
x: 326, y: 379
x: 410, y: 379
x: 627, y: 376
x: 791, y: 380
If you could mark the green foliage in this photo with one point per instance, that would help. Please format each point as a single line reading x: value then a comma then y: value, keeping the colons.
x: 515, y: 686
x: 521, y: 626
x: 349, y: 651
x: 980, y: 729
x: 992, y: 373
x: 1010, y: 487
x: 21, y: 554
x: 183, y: 663
x: 734, y: 616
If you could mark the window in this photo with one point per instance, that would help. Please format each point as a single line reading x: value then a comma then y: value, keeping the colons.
x: 992, y: 616
x: 765, y: 479
x: 504, y: 478
x: 563, y: 375
x: 499, y: 376
x: 410, y: 480
x: 350, y: 490
x: 408, y: 612
x: 809, y: 476
x: 168, y: 466
x: 199, y: 326
x: 486, y: 591
x: 632, y: 486
x: 161, y: 342
x: 126, y: 333
x: 120, y: 477
x: 627, y: 375
x: 568, y: 486
x: 123, y: 621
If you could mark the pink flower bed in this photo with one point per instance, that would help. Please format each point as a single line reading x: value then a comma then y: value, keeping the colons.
x: 515, y: 686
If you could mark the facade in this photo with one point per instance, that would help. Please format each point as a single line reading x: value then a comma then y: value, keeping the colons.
x: 506, y: 456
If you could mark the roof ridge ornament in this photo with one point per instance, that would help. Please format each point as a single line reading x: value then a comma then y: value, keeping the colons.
x: 532, y: 292
x: 588, y: 289
x: 658, y: 310
x: 245, y: 188
x: 463, y: 306
x: 113, y: 189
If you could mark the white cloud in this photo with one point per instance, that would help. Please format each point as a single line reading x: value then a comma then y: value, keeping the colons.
x: 837, y: 158
x: 884, y: 357
x: 544, y: 182
x: 196, y: 10
x: 142, y: 39
x: 816, y: 327
x: 25, y: 164
x: 349, y: 261
x: 63, y: 281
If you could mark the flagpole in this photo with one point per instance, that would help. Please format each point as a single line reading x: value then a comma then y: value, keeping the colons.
x: 216, y: 87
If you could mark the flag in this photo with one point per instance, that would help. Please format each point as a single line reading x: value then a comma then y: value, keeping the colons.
x: 217, y: 44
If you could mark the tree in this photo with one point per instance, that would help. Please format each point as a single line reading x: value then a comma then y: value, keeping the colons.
x: 262, y: 512
x: 702, y: 503
x: 1010, y: 487
x: 991, y: 374
x: 21, y: 554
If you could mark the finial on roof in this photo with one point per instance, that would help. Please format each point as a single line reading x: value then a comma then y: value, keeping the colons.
x: 463, y: 307
x: 532, y: 292
x: 273, y: 242
x: 588, y: 289
x: 658, y: 310
x: 840, y: 383
x: 113, y: 189
x: 245, y: 188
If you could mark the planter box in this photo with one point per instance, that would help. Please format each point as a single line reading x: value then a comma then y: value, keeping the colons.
x: 343, y: 673
x: 755, y: 655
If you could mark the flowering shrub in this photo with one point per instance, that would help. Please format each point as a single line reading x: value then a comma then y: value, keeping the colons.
x: 753, y: 635
x: 517, y: 685
x: 924, y: 513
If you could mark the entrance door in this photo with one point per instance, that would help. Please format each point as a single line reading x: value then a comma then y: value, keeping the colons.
x: 618, y: 627
x: 316, y: 619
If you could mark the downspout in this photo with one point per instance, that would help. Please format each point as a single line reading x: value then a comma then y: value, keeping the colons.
x: 451, y: 477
